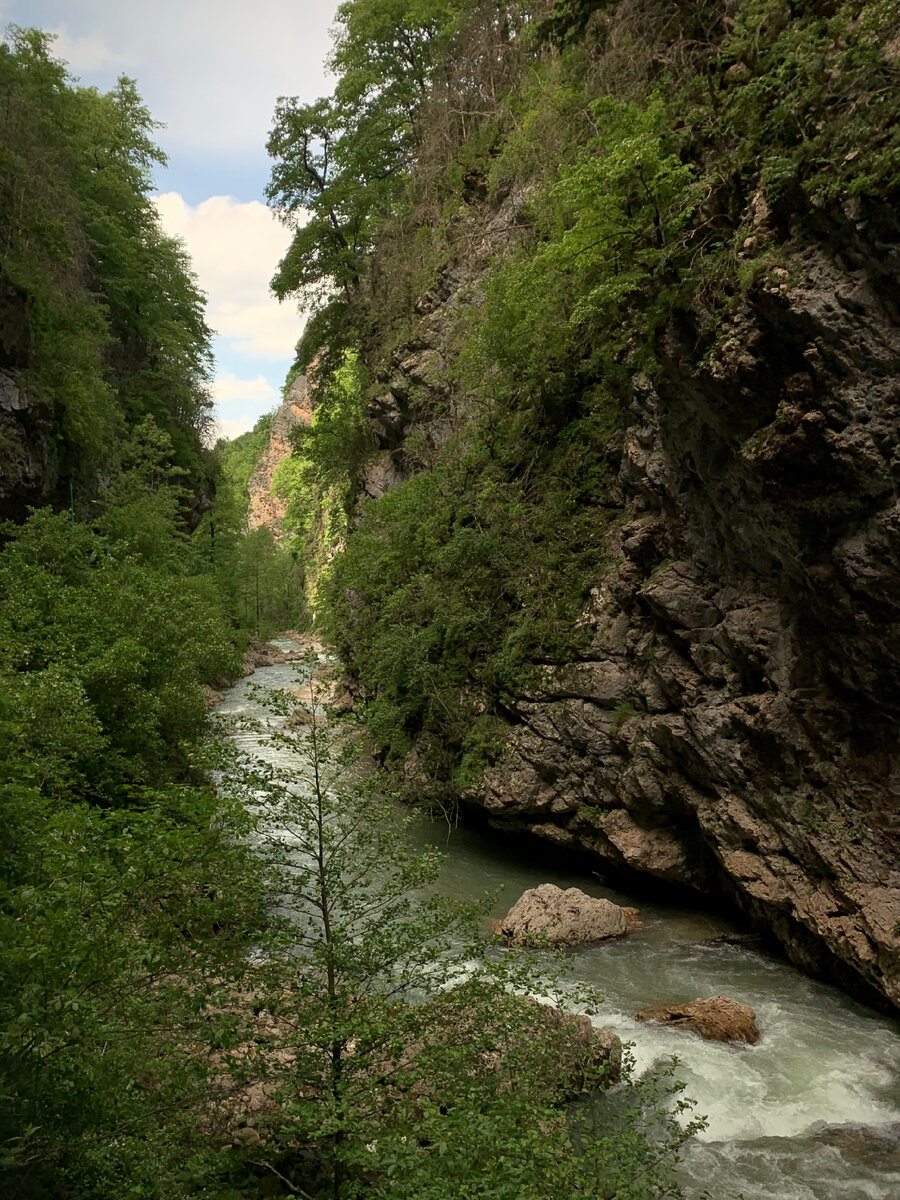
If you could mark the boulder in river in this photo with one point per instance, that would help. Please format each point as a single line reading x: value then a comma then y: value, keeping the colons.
x: 565, y: 918
x: 717, y: 1018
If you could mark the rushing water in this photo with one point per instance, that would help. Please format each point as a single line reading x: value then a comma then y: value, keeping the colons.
x: 810, y: 1113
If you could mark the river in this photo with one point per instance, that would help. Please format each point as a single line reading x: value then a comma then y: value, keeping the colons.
x: 810, y: 1113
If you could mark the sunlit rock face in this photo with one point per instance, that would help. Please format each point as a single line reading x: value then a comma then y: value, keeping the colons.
x: 267, y: 509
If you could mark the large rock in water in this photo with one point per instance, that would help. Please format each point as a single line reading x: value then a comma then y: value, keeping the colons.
x: 565, y: 918
x: 718, y: 1019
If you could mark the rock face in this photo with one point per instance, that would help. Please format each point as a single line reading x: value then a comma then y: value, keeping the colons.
x: 264, y: 654
x: 564, y: 918
x: 266, y: 509
x: 29, y: 451
x: 718, y: 1019
x: 732, y: 727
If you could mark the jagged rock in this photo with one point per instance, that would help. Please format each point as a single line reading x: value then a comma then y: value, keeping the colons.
x: 13, y: 398
x: 565, y: 918
x: 263, y: 654
x: 265, y: 508
x: 717, y: 1018
x: 655, y: 851
x: 733, y: 726
x: 675, y: 595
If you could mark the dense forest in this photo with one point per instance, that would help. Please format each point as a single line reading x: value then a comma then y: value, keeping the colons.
x: 595, y: 507
x: 166, y: 1028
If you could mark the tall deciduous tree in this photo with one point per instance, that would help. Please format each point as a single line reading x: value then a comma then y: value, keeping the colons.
x: 339, y: 162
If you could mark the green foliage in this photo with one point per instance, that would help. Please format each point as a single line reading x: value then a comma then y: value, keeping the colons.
x: 101, y: 317
x: 125, y: 889
x: 110, y: 646
x: 815, y: 110
x: 238, y: 457
x: 340, y: 161
x: 268, y: 583
x: 629, y: 157
x: 114, y: 926
x: 259, y: 581
x: 404, y: 1056
x: 317, y: 479
x: 459, y: 580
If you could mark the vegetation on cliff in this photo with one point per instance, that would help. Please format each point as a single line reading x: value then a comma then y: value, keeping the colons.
x: 122, y: 875
x: 503, y: 233
x: 101, y: 321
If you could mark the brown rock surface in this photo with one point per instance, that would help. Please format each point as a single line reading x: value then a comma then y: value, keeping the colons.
x: 264, y: 654
x: 717, y: 1018
x: 266, y: 509
x: 732, y: 728
x: 565, y: 918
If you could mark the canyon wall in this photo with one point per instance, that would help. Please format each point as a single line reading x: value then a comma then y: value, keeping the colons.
x: 265, y: 507
x: 732, y: 728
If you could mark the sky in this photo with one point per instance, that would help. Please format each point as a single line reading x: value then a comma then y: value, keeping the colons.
x: 210, y: 71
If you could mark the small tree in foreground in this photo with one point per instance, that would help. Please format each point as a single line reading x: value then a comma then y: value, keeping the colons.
x: 404, y: 1057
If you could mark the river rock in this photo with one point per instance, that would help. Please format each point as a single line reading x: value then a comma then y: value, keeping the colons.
x: 717, y: 1018
x: 264, y: 654
x: 565, y: 918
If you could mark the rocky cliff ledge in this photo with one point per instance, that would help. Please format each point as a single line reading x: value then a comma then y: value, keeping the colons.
x: 733, y: 727
x: 265, y: 508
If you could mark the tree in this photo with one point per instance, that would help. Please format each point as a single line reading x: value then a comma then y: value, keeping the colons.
x: 341, y: 161
x: 101, y: 317
x: 402, y: 1058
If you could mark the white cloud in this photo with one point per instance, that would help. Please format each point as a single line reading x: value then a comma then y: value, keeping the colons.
x: 211, y: 70
x: 232, y: 429
x: 227, y: 389
x: 89, y: 53
x: 235, y: 249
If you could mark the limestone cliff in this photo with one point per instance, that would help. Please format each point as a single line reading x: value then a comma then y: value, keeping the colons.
x: 733, y: 726
x: 267, y: 509
x: 634, y: 348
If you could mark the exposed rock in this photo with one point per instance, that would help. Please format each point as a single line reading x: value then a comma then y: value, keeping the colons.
x: 733, y: 728
x: 564, y: 918
x: 265, y: 508
x: 718, y: 1019
x: 263, y: 654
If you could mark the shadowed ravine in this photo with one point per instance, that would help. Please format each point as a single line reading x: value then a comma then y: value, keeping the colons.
x: 811, y: 1113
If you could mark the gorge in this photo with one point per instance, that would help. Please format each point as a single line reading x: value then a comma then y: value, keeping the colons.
x: 585, y: 476
x: 636, y: 518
